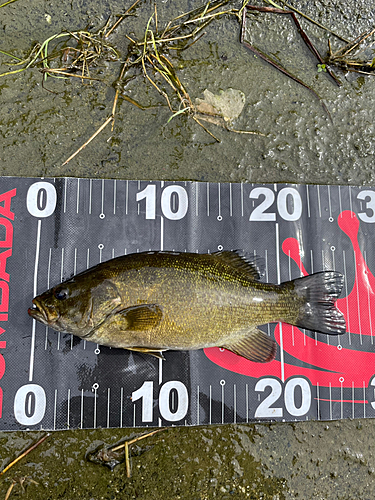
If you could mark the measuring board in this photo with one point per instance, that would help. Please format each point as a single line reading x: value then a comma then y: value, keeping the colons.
x: 51, y: 229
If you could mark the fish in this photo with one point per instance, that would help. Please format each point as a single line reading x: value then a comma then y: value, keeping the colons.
x: 155, y: 301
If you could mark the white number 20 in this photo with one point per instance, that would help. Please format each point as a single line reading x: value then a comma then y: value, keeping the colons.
x: 265, y: 410
x: 289, y: 204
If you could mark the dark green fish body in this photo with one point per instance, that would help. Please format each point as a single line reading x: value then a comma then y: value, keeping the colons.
x: 154, y: 301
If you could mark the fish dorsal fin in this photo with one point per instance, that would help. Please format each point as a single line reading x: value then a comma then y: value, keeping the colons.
x: 252, y: 267
x: 142, y: 317
x: 255, y: 346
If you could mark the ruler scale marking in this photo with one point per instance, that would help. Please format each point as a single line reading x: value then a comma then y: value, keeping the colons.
x: 36, y: 266
x: 78, y: 195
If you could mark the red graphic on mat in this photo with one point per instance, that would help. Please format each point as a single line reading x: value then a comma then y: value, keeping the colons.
x: 334, y: 365
x: 358, y: 306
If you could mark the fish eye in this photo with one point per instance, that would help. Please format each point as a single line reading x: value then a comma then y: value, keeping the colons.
x: 61, y: 294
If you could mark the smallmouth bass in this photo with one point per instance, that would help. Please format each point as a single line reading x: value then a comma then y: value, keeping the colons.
x: 155, y: 301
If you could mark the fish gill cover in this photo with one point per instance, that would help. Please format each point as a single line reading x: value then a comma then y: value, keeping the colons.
x: 52, y: 229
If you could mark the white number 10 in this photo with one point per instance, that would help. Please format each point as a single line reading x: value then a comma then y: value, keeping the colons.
x: 145, y: 393
x: 169, y: 194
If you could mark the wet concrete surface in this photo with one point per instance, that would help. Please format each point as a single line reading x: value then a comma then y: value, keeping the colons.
x: 39, y: 130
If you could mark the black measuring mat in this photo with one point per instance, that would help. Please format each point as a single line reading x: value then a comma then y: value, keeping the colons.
x: 51, y: 229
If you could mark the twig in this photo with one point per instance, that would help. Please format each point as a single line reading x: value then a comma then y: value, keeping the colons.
x: 24, y: 454
x: 124, y: 66
x: 163, y: 40
x: 137, y: 104
x: 139, y: 438
x: 157, y: 88
x: 156, y: 18
x: 188, y: 45
x: 220, y: 122
x: 210, y: 16
x: 125, y: 97
x: 282, y: 70
x: 12, y: 72
x: 199, y: 10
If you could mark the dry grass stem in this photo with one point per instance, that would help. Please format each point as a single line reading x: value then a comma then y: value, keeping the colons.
x: 24, y: 454
x: 121, y: 18
x: 249, y: 132
x: 108, y: 120
x: 57, y: 71
x: 127, y: 460
x: 21, y: 481
x: 344, y: 58
x: 206, y: 129
x: 290, y: 7
x: 9, y: 491
x: 126, y: 445
x: 7, y: 3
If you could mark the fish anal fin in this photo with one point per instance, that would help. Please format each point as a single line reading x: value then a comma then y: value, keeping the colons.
x: 252, y: 267
x: 254, y: 346
x: 157, y: 353
x: 140, y: 318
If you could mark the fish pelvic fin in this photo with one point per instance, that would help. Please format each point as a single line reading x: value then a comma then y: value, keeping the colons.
x: 252, y: 267
x: 254, y: 346
x: 157, y: 353
x: 318, y: 312
x: 139, y: 318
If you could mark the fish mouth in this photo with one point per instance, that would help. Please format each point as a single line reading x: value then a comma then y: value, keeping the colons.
x: 38, y: 312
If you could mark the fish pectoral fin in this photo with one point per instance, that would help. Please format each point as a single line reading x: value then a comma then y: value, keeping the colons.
x: 157, y: 353
x: 254, y: 346
x: 140, y: 318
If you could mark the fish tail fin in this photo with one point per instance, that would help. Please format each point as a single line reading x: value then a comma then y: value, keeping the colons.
x: 318, y: 311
